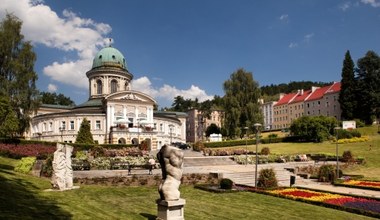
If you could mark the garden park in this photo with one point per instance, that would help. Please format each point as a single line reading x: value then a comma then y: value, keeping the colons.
x: 24, y: 196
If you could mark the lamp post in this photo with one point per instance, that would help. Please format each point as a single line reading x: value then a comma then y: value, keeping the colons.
x: 257, y: 127
x: 170, y: 130
x: 61, y: 129
x: 336, y: 148
x: 246, y: 146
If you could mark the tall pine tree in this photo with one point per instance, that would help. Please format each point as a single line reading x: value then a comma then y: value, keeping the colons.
x: 368, y: 87
x: 347, y: 97
x: 17, y: 76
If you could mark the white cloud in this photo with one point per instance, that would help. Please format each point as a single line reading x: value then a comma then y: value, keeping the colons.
x: 308, y: 37
x: 373, y: 3
x: 168, y: 92
x: 345, y: 6
x: 293, y: 45
x: 284, y: 18
x: 52, y: 87
x: 42, y: 25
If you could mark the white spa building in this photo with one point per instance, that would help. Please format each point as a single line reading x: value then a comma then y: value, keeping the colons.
x: 117, y: 114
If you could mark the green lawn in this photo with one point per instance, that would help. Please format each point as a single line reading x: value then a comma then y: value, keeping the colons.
x: 371, y: 170
x: 23, y: 197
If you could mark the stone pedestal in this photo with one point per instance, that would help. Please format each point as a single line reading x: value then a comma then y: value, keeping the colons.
x: 171, y: 210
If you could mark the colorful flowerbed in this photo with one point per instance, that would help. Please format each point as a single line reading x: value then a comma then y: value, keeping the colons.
x: 27, y: 150
x: 362, y: 183
x: 349, y: 203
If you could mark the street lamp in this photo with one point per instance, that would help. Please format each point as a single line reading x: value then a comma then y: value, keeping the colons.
x: 336, y: 148
x: 171, y: 128
x: 61, y: 129
x: 257, y: 127
x: 246, y: 146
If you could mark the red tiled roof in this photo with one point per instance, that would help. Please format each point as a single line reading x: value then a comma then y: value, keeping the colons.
x: 318, y: 94
x: 301, y: 96
x: 334, y: 88
x: 286, y: 99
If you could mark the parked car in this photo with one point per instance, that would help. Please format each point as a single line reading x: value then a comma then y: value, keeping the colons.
x: 181, y: 145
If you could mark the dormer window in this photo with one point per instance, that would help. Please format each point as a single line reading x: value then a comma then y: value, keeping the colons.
x: 113, y: 57
x: 100, y: 57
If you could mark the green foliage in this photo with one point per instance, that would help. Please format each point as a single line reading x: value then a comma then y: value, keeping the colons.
x: 275, y: 90
x: 347, y: 93
x: 9, y: 124
x: 315, y: 128
x: 347, y: 156
x: 212, y: 129
x: 84, y: 135
x: 267, y: 179
x: 226, y: 183
x: 198, y: 146
x: 47, y: 166
x: 368, y: 89
x: 241, y: 107
x: 17, y: 76
x: 265, y: 151
x: 327, y: 173
x: 54, y: 99
x: 25, y: 165
x: 346, y: 134
x: 273, y: 136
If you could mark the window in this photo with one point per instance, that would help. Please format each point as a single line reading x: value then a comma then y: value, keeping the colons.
x: 63, y: 125
x: 99, y: 87
x: 113, y: 86
x: 44, y: 127
x: 97, y: 125
x: 161, y: 127
x: 71, y: 125
x: 50, y: 126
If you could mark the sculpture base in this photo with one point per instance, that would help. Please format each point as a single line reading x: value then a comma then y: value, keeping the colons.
x: 171, y: 210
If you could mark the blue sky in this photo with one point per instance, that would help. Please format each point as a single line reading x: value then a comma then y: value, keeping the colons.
x: 189, y: 48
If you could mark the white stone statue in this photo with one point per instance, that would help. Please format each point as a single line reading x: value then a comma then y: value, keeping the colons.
x: 59, y: 168
x: 171, y: 160
x: 62, y: 178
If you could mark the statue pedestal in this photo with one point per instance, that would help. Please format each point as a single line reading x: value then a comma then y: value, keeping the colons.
x: 171, y: 210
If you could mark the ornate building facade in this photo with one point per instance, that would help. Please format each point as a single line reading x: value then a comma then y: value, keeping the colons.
x: 116, y: 113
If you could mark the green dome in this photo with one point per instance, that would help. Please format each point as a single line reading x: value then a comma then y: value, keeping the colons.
x: 109, y: 56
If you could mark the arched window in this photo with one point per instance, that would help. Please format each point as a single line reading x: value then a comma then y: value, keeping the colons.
x: 99, y: 87
x: 113, y: 86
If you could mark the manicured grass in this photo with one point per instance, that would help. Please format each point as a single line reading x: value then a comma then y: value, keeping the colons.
x: 23, y: 197
x: 370, y: 170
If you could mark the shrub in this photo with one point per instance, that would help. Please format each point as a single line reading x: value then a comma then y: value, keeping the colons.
x: 226, y: 183
x: 47, y: 166
x: 347, y: 156
x: 25, y: 165
x: 265, y: 151
x: 198, y: 146
x: 327, y: 173
x: 272, y: 136
x: 267, y: 179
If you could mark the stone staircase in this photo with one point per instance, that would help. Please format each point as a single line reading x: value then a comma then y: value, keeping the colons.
x: 208, y: 161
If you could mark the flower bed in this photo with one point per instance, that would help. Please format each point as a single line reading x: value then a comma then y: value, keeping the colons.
x: 370, y: 207
x: 27, y: 150
x: 364, y: 184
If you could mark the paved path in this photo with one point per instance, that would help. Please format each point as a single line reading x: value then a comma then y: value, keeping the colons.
x: 235, y: 169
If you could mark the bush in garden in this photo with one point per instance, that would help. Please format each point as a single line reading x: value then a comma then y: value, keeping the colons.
x: 356, y: 133
x: 226, y: 183
x: 272, y: 136
x: 347, y: 156
x: 267, y: 179
x: 25, y: 165
x: 39, y: 151
x: 47, y: 166
x: 198, y: 146
x: 265, y: 151
x: 327, y: 173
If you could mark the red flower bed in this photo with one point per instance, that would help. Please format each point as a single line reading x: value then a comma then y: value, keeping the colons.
x: 369, y: 206
x: 28, y: 150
